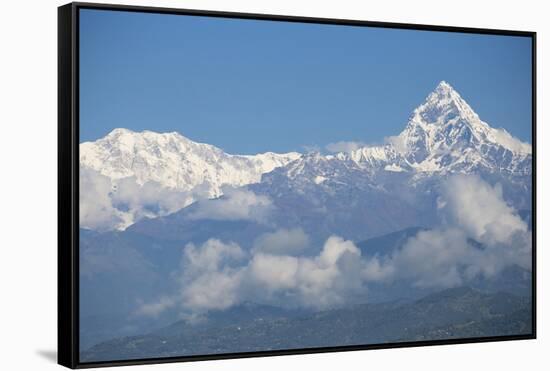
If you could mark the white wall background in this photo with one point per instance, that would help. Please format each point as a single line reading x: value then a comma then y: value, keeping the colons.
x: 28, y: 78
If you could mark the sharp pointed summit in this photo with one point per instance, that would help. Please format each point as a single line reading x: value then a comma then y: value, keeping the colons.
x: 444, y: 104
x: 444, y: 89
x: 444, y: 134
x: 444, y: 86
x: 446, y: 126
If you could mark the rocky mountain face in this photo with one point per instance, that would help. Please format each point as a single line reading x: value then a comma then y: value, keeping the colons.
x: 395, y: 186
x: 174, y: 161
x: 443, y: 136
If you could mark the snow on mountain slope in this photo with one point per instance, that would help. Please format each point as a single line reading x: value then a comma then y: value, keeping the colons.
x: 150, y: 174
x: 442, y: 136
x: 174, y: 161
x: 380, y: 189
x: 445, y: 135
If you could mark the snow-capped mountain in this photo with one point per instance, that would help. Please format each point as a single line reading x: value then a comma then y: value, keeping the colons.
x: 127, y: 176
x: 151, y: 174
x: 443, y: 135
x: 175, y: 161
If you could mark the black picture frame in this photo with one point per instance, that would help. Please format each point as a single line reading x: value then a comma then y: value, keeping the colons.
x: 68, y: 180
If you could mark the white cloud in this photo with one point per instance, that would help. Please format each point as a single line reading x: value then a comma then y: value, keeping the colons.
x: 156, y: 308
x: 282, y: 241
x: 148, y: 200
x: 218, y: 275
x: 447, y: 256
x: 274, y: 272
x: 235, y: 204
x: 376, y: 270
x: 330, y: 278
x: 212, y: 290
x: 503, y: 137
x: 335, y: 247
x: 107, y: 204
x: 96, y: 209
x: 434, y: 258
x: 344, y: 146
x: 480, y: 210
x: 211, y: 276
x: 397, y: 142
x: 210, y: 256
x: 320, y: 281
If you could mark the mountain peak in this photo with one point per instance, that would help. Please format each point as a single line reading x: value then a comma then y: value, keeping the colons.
x: 444, y: 105
x: 444, y: 87
x: 445, y: 127
x: 119, y: 131
x: 445, y: 96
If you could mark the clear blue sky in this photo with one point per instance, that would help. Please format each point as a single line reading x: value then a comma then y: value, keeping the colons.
x: 251, y: 86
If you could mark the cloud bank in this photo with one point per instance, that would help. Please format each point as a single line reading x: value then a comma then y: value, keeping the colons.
x: 283, y: 241
x: 96, y: 208
x: 480, y: 210
x: 107, y: 204
x: 235, y: 204
x: 217, y: 275
x: 211, y: 275
x: 479, y: 236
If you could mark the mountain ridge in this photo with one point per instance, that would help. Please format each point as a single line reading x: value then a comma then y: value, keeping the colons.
x: 443, y: 136
x: 174, y: 160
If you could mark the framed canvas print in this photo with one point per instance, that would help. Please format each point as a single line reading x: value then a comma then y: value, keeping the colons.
x: 236, y: 185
